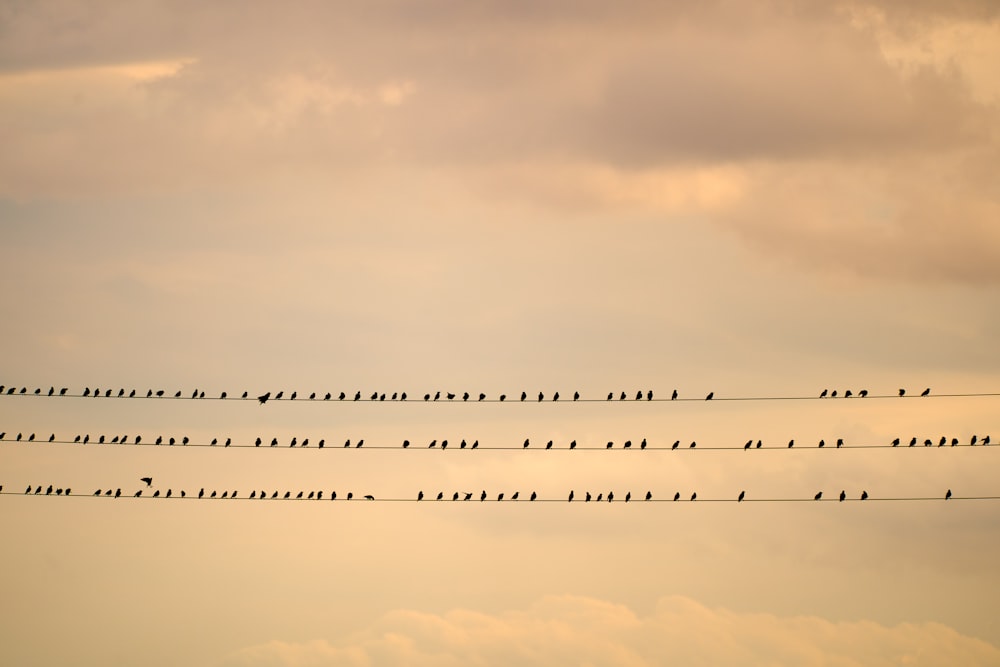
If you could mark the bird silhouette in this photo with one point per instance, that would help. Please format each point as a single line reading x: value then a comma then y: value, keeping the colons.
x: 357, y: 396
x: 482, y: 497
x: 818, y: 496
x: 278, y: 396
x: 156, y: 494
x: 863, y: 393
x: 947, y: 496
x: 369, y: 497
x: 600, y: 497
x: 455, y: 496
x: 576, y: 396
x: 533, y: 496
x: 48, y: 491
x: 327, y: 396
x: 642, y: 445
x: 555, y: 397
x: 628, y: 444
x: 913, y: 441
x: 673, y: 396
x: 138, y: 494
x: 822, y: 443
x: 499, y: 497
x: 848, y: 394
x: 440, y: 495
x: 840, y: 443
x: 525, y: 446
x: 420, y: 495
x: 649, y: 495
x: 451, y: 396
x: 677, y: 496
x: 263, y: 398
x: 118, y: 493
x: 823, y: 393
x: 610, y: 395
x: 693, y: 444
x: 843, y: 496
x: 610, y: 444
x: 926, y: 392
x: 572, y: 445
x: 741, y: 496
x: 570, y: 496
x: 482, y: 397
x: 902, y: 392
x: 515, y: 496
x: 649, y: 395
x: 465, y: 396
x: 864, y: 495
x: 299, y: 496
x: 611, y: 494
x: 791, y: 443
x: 524, y: 395
x: 676, y: 444
x: 747, y: 446
x: 201, y: 494
x: 638, y: 395
x: 62, y: 392
x: 402, y: 396
x: 622, y: 397
x: 833, y: 394
x: 694, y: 496
x: 503, y: 397
x: 586, y: 497
x: 147, y: 480
x: 710, y: 396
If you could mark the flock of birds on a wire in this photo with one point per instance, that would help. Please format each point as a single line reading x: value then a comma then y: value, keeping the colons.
x: 294, y: 442
x: 641, y: 395
x: 455, y: 496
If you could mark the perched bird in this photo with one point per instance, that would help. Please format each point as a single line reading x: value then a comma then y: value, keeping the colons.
x: 533, y: 495
x: 524, y: 395
x: 622, y: 397
x: 138, y: 493
x: 178, y: 394
x: 256, y: 443
x: 675, y: 445
x: 570, y: 496
x: 926, y: 392
x: 503, y: 397
x: 973, y: 440
x: 586, y: 498
x: 693, y: 444
x: 942, y: 441
x: 649, y: 495
x: 357, y: 396
x: 823, y: 393
x: 694, y: 496
x: 62, y: 392
x: 600, y: 497
x: 610, y: 444
x: 610, y: 395
x: 611, y: 496
x: 843, y: 496
x: 516, y: 494
x: 48, y: 491
x: 463, y: 444
x: 913, y: 441
x: 159, y: 393
x: 947, y: 496
x: 299, y: 496
x: 711, y: 395
x: 555, y: 397
x: 673, y: 396
x: 628, y: 444
x: 274, y: 442
x: 902, y: 392
x: 263, y: 398
x: 758, y: 445
x: 294, y: 395
x: 822, y: 443
x: 834, y: 394
x: 288, y: 494
x: 433, y: 444
x: 572, y: 445
x: 229, y: 441
x: 638, y: 395
x: 147, y: 480
x: 328, y: 396
x: 465, y: 396
x: 118, y: 493
x: 360, y: 442
x: 402, y: 396
x: 576, y: 396
x: 278, y: 396
x: 840, y: 443
x: 649, y: 395
x: 406, y: 443
x: 791, y: 443
x: 52, y: 390
x: 450, y: 396
x: 818, y: 496
x: 201, y: 494
x: 156, y: 494
x: 482, y: 397
x: 863, y: 393
x: 677, y: 496
x: 642, y: 445
x: 864, y: 495
x: 482, y: 496
x: 437, y: 395
x: 747, y: 446
x: 368, y: 497
x: 848, y: 394
x: 420, y: 496
x: 741, y: 496
x: 440, y: 495
x: 548, y: 445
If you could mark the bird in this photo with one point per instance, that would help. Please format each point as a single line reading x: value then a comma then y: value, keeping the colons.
x: 288, y: 494
x: 676, y: 444
x: 848, y: 394
x: 159, y: 393
x: 694, y: 496
x: 843, y: 496
x: 942, y: 441
x: 947, y: 496
x: 482, y: 497
x: 465, y: 396
x: 368, y: 497
x: 833, y: 394
x: 570, y: 496
x: 62, y: 392
x: 406, y: 443
x: 178, y: 394
x: 263, y: 398
x: 677, y: 496
x: 600, y: 497
x: 147, y: 480
x: 299, y: 496
x: 610, y: 444
x: 402, y: 396
x: 503, y: 397
x: 525, y: 445
x: 156, y: 494
x: 86, y: 391
x: 642, y: 445
x: 548, y: 445
x: 693, y: 444
x: 818, y: 496
x: 622, y: 397
x: 926, y: 392
x: 902, y: 392
x: 741, y: 496
x: 747, y: 446
x: 913, y: 441
x: 327, y: 396
x: 673, y: 396
x: 840, y: 443
x: 48, y: 491
x: 294, y: 395
x: 973, y: 440
x: 292, y: 443
x: 440, y: 495
x: 138, y: 493
x: 863, y: 393
x: 118, y: 493
x: 278, y: 396
x: 576, y: 396
x: 895, y: 443
x: 986, y: 441
x: 420, y: 496
x: 649, y: 495
x: 628, y: 444
x: 533, y: 495
x: 864, y: 495
x: 823, y: 393
x: 312, y: 494
x: 201, y: 494
x: 357, y: 396
x: 822, y: 443
x: 758, y: 445
x: 515, y: 496
x: 710, y: 396
x: 611, y: 494
x: 610, y: 395
x: 649, y: 395
x: 360, y: 442
x: 572, y: 445
x: 482, y: 397
x: 450, y: 396
x: 586, y: 498
x: 555, y: 397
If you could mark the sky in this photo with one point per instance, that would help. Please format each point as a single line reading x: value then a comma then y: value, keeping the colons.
x: 760, y: 199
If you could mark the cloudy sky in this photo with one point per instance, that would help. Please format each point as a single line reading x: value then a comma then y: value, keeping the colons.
x: 753, y: 199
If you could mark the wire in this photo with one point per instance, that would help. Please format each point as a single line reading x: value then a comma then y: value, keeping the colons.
x: 476, y: 499
x: 401, y: 397
x: 616, y: 446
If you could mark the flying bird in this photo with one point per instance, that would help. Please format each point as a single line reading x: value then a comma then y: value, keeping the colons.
x: 147, y: 480
x: 263, y: 398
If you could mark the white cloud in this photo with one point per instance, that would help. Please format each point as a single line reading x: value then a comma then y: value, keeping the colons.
x: 569, y: 630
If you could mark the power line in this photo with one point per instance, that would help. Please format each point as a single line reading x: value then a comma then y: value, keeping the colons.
x: 491, y: 499
x: 447, y: 397
x: 463, y: 445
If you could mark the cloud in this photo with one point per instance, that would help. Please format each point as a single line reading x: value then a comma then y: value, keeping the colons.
x: 584, y: 631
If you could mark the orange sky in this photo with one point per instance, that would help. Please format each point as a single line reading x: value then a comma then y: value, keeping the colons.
x: 485, y: 197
